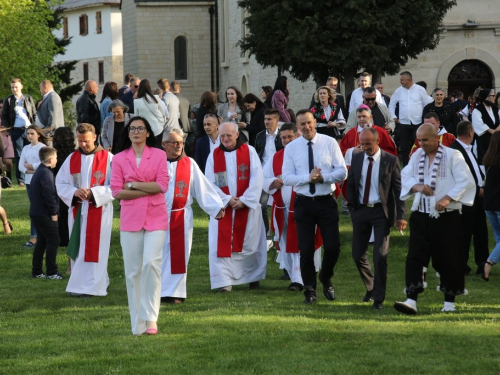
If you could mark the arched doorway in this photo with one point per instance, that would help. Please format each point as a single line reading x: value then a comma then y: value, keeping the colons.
x: 468, y: 75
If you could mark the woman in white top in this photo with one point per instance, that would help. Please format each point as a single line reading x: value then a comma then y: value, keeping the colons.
x: 233, y: 110
x: 147, y: 105
x: 329, y: 117
x: 28, y: 163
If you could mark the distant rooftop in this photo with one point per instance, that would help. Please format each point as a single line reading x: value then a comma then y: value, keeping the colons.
x: 75, y: 4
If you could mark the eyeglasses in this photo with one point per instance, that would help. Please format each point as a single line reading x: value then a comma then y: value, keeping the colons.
x: 140, y: 129
x: 370, y: 99
x: 175, y: 143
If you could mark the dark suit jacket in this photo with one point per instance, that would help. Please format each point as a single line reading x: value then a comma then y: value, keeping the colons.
x: 260, y: 143
x: 50, y: 111
x: 389, y: 186
x: 202, y: 151
x: 457, y: 146
x: 87, y: 111
x: 128, y: 99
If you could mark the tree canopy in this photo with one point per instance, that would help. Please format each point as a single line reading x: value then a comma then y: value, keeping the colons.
x: 26, y: 43
x: 340, y: 37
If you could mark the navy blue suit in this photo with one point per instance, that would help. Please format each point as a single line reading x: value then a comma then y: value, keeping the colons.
x: 202, y: 151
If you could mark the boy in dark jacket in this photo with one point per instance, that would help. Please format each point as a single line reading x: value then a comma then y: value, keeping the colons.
x: 43, y: 212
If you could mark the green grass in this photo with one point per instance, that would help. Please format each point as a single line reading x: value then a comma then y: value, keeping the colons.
x: 268, y: 331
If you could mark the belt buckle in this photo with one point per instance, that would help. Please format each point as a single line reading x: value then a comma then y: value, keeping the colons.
x: 371, y: 205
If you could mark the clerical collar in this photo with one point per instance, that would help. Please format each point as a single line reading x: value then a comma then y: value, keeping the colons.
x: 94, y: 151
x: 182, y: 155
x: 239, y: 142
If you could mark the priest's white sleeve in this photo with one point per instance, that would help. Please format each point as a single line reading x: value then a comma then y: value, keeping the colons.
x: 269, y: 176
x: 102, y: 194
x: 251, y: 196
x: 204, y: 192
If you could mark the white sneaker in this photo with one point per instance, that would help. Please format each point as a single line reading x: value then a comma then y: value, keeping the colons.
x: 448, y: 307
x: 466, y: 292
x: 408, y: 307
x: 269, y: 244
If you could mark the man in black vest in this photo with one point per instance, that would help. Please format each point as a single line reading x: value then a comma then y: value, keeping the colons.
x: 473, y: 217
x: 485, y: 121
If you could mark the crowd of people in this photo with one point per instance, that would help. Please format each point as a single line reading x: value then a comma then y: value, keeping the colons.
x: 154, y: 152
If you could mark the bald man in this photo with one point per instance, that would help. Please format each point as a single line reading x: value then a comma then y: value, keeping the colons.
x: 87, y: 109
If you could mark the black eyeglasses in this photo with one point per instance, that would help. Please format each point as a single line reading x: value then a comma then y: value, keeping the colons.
x: 370, y: 99
x: 212, y: 115
x: 140, y: 129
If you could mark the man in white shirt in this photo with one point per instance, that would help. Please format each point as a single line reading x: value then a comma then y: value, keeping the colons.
x: 172, y: 103
x: 412, y: 99
x: 365, y: 80
x: 313, y: 178
x: 473, y: 218
x: 440, y: 181
x: 267, y: 143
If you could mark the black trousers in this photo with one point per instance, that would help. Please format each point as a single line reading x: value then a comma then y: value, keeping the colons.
x: 407, y: 135
x: 436, y: 239
x: 325, y: 215
x: 363, y: 220
x: 264, y: 197
x: 47, y: 243
x: 474, y: 228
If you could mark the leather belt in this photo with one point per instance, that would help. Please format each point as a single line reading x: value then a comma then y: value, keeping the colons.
x: 316, y: 197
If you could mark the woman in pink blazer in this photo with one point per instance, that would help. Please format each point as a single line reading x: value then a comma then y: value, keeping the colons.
x: 139, y: 179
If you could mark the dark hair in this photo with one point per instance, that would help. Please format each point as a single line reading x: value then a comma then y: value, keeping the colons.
x: 250, y: 98
x: 111, y: 90
x: 432, y: 115
x: 272, y: 111
x: 290, y: 111
x: 289, y: 126
x: 496, y: 97
x: 45, y: 153
x: 369, y: 90
x: 268, y: 90
x: 492, y: 156
x: 422, y: 83
x: 209, y: 101
x: 128, y: 77
x: 303, y: 112
x: 125, y: 142
x: 406, y: 73
x: 145, y: 91
x: 85, y: 128
x: 64, y: 142
x: 439, y: 89
x: 239, y: 98
x: 463, y: 128
x: 163, y: 84
x: 41, y: 137
x: 280, y: 84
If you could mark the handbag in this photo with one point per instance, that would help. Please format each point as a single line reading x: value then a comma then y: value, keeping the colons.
x: 6, y: 182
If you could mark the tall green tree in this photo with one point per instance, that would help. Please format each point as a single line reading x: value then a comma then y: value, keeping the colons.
x: 26, y: 43
x: 340, y: 37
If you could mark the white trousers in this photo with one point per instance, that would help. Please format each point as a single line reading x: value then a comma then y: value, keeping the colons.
x: 142, y: 256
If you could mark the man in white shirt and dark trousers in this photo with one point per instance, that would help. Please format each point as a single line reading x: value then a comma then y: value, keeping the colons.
x: 473, y: 218
x: 441, y: 183
x: 267, y: 143
x: 312, y: 164
x: 373, y: 190
x: 412, y: 99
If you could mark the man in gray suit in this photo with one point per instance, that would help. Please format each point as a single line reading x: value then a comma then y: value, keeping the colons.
x: 50, y: 115
x: 184, y: 119
x: 373, y: 191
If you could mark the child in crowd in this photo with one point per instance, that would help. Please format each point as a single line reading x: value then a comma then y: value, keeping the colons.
x: 43, y: 212
x: 28, y: 163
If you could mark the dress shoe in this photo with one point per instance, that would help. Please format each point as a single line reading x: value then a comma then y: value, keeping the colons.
x: 226, y: 289
x: 310, y: 300
x: 328, y: 290
x: 377, y: 305
x: 368, y: 297
x: 285, y: 276
x: 405, y: 308
x: 295, y: 287
x: 254, y: 285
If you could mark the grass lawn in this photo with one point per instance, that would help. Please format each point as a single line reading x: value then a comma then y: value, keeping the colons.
x: 267, y: 331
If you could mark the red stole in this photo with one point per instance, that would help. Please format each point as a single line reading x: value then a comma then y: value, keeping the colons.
x: 278, y: 210
x: 177, y: 234
x: 230, y: 238
x: 93, y: 232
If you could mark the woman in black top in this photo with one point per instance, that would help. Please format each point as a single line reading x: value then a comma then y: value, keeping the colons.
x: 208, y: 104
x: 267, y: 94
x: 491, y: 162
x: 256, y: 124
x: 444, y: 110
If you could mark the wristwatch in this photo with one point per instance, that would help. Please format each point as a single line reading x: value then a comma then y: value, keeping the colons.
x: 130, y: 186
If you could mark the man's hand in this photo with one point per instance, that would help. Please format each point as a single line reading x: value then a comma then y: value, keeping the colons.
x: 276, y: 184
x: 424, y: 189
x: 481, y: 193
x: 396, y: 120
x: 54, y: 217
x: 221, y: 214
x: 83, y: 194
x: 387, y: 128
x: 315, y: 176
x: 443, y: 203
x: 401, y: 225
x: 331, y: 124
x: 242, y: 125
x: 236, y: 204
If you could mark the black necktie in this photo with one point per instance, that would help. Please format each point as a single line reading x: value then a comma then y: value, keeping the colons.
x: 312, y: 187
x: 368, y: 181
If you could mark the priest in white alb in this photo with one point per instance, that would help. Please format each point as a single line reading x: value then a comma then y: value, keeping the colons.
x: 283, y: 216
x: 83, y: 184
x: 237, y: 242
x: 186, y: 182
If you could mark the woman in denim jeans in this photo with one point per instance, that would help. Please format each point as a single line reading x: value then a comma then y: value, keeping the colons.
x: 491, y: 162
